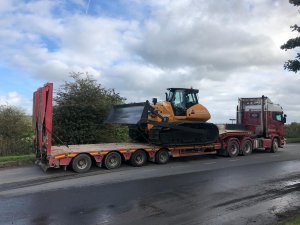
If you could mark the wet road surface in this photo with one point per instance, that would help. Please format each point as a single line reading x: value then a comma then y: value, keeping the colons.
x: 254, y: 189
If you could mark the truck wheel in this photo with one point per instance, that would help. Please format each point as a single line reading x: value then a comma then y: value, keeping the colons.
x: 275, y: 145
x: 138, y: 158
x: 112, y: 160
x: 162, y: 156
x: 233, y: 148
x: 81, y: 163
x: 247, y: 147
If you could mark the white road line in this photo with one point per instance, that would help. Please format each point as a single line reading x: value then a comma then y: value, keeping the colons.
x: 209, y: 163
x: 233, y: 160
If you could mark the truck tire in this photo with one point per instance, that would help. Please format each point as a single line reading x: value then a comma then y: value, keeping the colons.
x: 247, y: 147
x: 162, y: 156
x: 233, y: 148
x: 112, y: 160
x: 275, y: 145
x: 138, y: 158
x: 81, y: 163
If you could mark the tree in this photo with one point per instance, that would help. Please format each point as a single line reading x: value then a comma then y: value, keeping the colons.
x: 80, y: 108
x: 292, y: 130
x: 16, y: 133
x: 293, y: 65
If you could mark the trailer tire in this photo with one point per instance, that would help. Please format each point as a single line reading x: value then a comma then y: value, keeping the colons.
x: 81, y: 163
x: 247, y: 147
x: 162, y: 156
x: 275, y: 145
x: 138, y: 158
x: 112, y: 160
x: 233, y: 148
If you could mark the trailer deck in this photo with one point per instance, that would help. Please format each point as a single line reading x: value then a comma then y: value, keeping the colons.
x: 126, y: 149
x: 101, y: 148
x: 99, y: 153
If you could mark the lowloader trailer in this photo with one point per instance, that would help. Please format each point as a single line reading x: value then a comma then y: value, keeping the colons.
x: 260, y: 125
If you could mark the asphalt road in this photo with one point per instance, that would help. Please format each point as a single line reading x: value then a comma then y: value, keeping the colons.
x: 256, y: 189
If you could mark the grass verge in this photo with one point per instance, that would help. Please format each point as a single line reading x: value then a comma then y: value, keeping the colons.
x: 295, y: 221
x: 293, y: 140
x: 29, y: 157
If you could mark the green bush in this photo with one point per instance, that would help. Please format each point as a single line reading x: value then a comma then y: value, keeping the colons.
x: 292, y: 130
x: 80, y: 109
x: 16, y: 134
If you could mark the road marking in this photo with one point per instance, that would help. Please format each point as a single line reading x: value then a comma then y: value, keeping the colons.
x: 151, y: 169
x: 275, y: 155
x: 233, y: 160
x: 209, y: 163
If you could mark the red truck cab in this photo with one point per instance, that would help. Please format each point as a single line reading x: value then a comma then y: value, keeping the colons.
x: 265, y: 119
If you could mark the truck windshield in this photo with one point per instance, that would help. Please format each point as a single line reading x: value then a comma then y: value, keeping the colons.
x: 278, y: 116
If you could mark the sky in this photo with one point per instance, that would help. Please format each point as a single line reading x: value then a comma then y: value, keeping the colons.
x: 228, y: 49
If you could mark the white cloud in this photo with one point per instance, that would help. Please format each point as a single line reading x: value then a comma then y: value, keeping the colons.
x: 211, y: 35
x: 11, y: 98
x: 15, y: 99
x: 80, y: 43
x: 6, y: 6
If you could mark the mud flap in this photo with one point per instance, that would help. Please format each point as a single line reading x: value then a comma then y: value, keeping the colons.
x: 42, y: 165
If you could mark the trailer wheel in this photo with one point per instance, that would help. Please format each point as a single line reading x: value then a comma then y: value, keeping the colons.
x: 162, y: 156
x: 81, y: 163
x: 112, y: 160
x: 275, y: 145
x: 138, y: 158
x: 233, y: 148
x: 247, y: 147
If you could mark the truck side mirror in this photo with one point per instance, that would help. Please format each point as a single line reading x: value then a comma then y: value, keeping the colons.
x: 167, y: 97
x: 284, y: 118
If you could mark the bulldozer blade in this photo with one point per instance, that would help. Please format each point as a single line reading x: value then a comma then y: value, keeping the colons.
x: 129, y: 114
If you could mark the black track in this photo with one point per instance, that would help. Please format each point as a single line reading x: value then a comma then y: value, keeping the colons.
x: 183, y: 134
x: 136, y: 134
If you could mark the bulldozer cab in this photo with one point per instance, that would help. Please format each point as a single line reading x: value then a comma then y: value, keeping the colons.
x: 181, y: 99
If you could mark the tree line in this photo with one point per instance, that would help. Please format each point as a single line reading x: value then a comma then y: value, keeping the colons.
x: 292, y: 130
x: 16, y: 134
x: 293, y: 64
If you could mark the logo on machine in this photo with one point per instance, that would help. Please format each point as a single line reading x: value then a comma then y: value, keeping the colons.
x: 203, y: 111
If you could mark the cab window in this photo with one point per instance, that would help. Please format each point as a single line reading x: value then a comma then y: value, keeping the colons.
x: 178, y: 98
x: 191, y: 98
x: 277, y: 116
x: 178, y: 103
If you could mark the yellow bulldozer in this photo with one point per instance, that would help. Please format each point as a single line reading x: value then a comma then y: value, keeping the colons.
x: 179, y: 120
